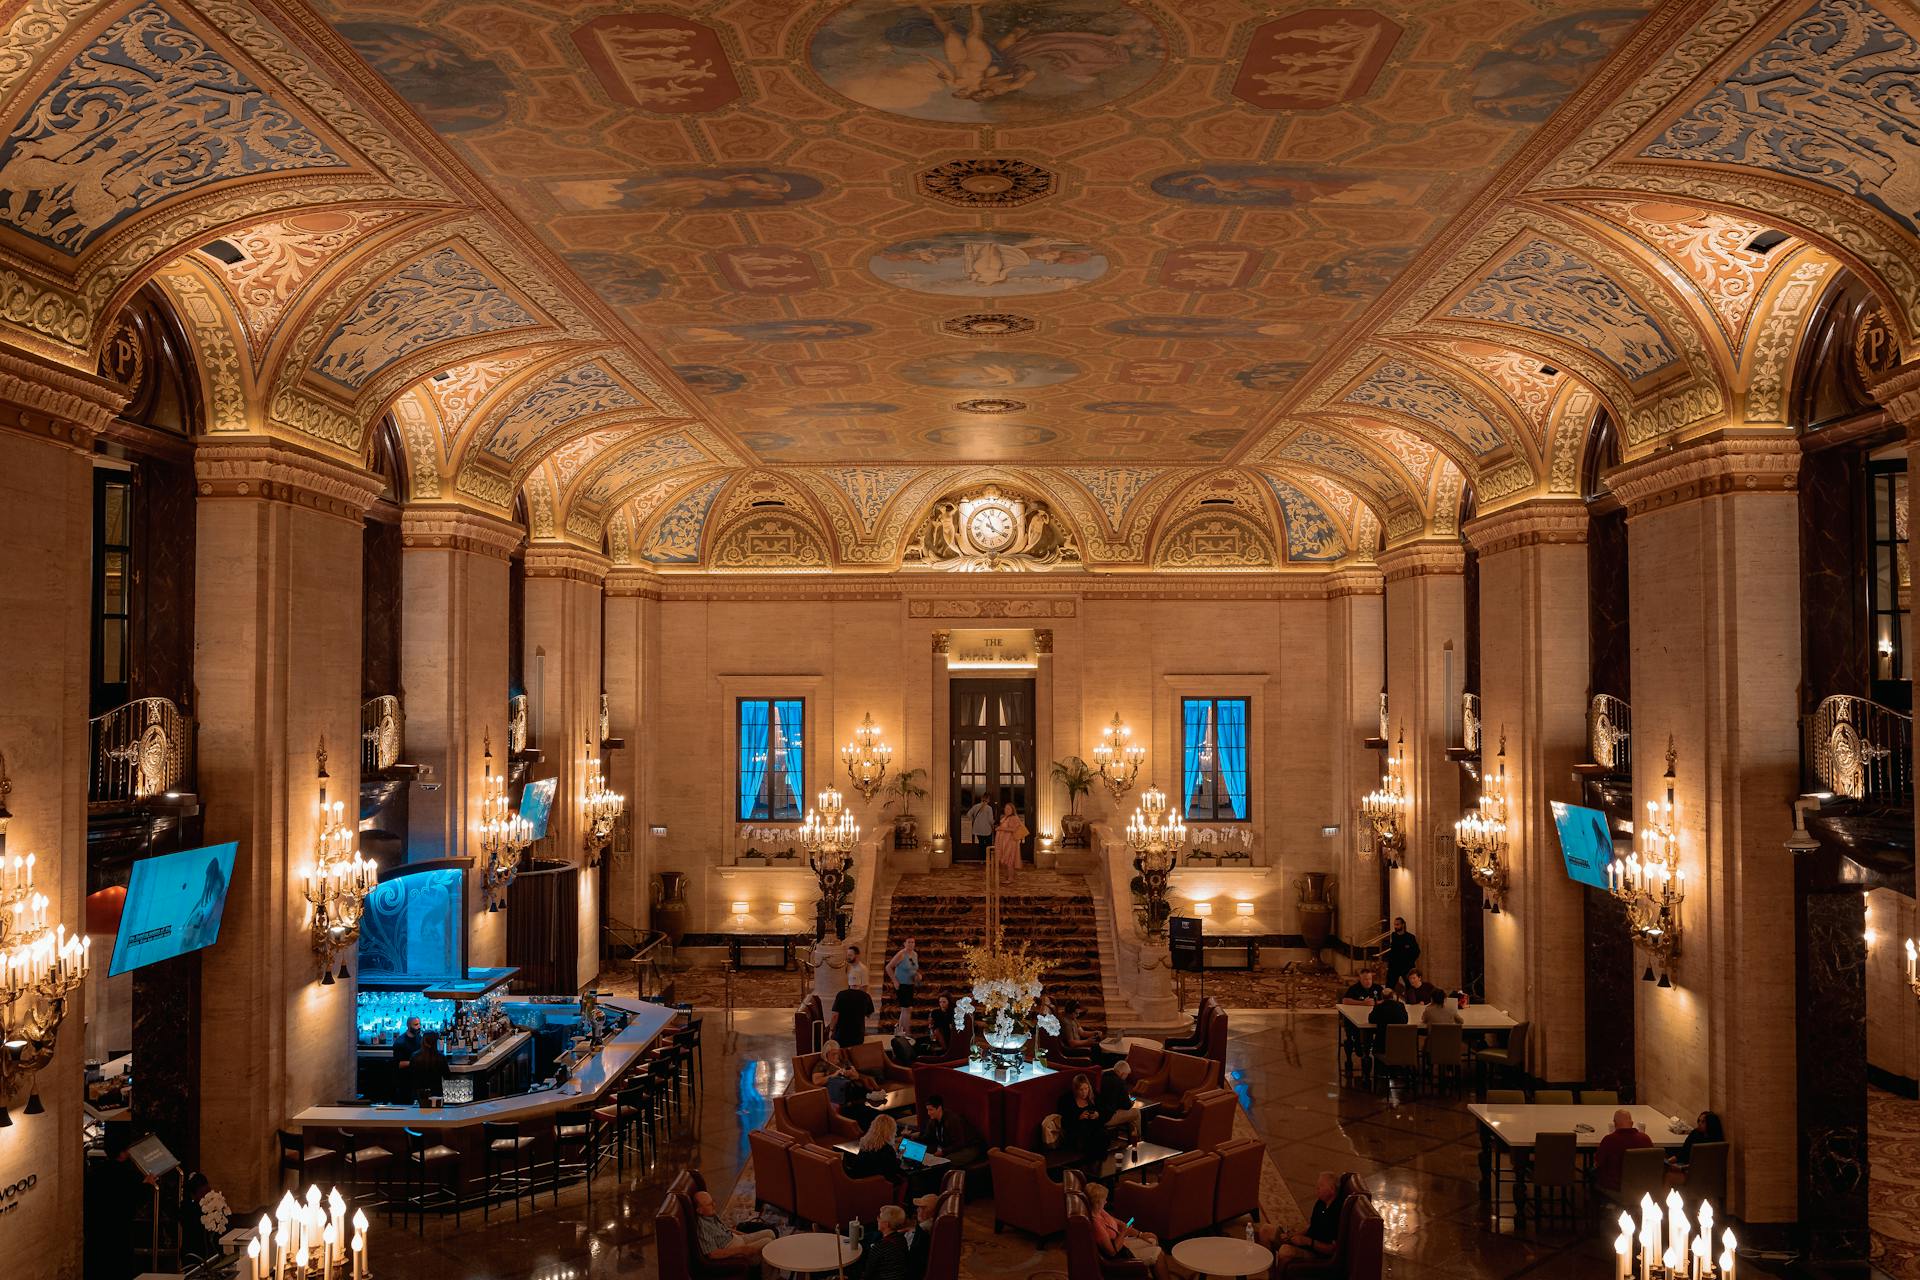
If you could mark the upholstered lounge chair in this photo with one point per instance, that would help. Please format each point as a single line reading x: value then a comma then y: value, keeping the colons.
x: 773, y: 1168
x: 1024, y: 1196
x: 1084, y: 1259
x: 1179, y: 1204
x: 1204, y: 1125
x: 1177, y: 1080
x: 807, y: 1114
x: 676, y: 1235
x: 827, y: 1195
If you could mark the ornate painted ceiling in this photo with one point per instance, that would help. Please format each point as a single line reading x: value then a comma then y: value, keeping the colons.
x: 1332, y: 267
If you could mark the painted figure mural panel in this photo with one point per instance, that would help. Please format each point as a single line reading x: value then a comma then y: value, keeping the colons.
x: 988, y: 264
x: 454, y: 90
x: 986, y: 370
x: 1316, y: 58
x: 658, y: 62
x: 686, y: 189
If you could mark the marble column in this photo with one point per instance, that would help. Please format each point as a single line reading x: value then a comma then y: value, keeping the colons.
x: 633, y: 691
x: 1713, y: 534
x: 277, y: 665
x: 562, y: 664
x: 1355, y: 640
x: 1533, y: 681
x: 1426, y: 629
x: 453, y: 668
x: 48, y: 419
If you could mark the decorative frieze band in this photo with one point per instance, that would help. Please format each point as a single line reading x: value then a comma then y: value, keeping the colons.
x: 1706, y: 469
x: 559, y: 560
x: 457, y: 529
x: 1423, y: 559
x: 272, y: 472
x: 626, y: 580
x: 49, y: 402
x: 1531, y: 524
x: 1899, y: 394
x: 1055, y: 607
x: 1359, y: 580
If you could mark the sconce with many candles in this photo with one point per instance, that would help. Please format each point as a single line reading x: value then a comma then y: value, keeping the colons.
x: 600, y: 808
x: 39, y: 968
x: 1156, y: 834
x: 1666, y: 1247
x: 1651, y: 885
x: 310, y: 1241
x: 829, y: 836
x: 867, y: 758
x: 1115, y: 760
x: 337, y: 888
x: 1483, y: 833
x: 1385, y: 808
x: 504, y: 835
x: 1913, y: 967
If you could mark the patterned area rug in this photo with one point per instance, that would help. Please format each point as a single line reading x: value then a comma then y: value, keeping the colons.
x: 1893, y: 1153
x: 986, y: 1256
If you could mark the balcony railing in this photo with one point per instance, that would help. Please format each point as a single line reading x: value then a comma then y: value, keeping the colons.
x: 1610, y: 733
x: 382, y: 734
x: 138, y: 751
x: 1860, y: 750
x: 517, y: 723
x: 1470, y: 722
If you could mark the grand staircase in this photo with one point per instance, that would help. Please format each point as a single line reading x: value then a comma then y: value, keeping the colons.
x: 945, y: 911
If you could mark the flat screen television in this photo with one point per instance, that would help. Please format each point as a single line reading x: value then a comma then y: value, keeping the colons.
x: 536, y: 805
x: 174, y: 904
x: 1585, y: 842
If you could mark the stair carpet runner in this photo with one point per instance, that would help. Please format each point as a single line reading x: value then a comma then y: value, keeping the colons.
x: 945, y: 912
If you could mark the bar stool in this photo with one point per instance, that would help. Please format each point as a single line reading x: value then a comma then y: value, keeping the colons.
x: 628, y: 1105
x: 366, y: 1168
x: 663, y: 1097
x: 300, y: 1158
x: 699, y: 1052
x: 506, y: 1166
x: 683, y: 1047
x: 440, y: 1163
x: 578, y: 1130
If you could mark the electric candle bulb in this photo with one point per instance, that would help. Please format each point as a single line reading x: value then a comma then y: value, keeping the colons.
x: 1727, y: 1255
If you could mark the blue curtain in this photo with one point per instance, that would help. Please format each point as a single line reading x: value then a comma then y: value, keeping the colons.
x: 1194, y: 717
x: 788, y: 717
x: 1232, y: 752
x: 753, y: 757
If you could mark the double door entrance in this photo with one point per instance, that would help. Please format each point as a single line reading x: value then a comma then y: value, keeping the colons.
x: 992, y: 762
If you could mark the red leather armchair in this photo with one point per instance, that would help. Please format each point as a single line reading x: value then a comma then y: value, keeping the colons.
x: 772, y: 1153
x: 1196, y: 1040
x: 676, y: 1235
x: 1204, y: 1125
x: 1023, y: 1195
x: 1180, y: 1204
x: 825, y: 1193
x: 806, y: 1114
x: 943, y: 1253
x: 807, y: 1033
x: 1084, y: 1259
x: 872, y: 1059
x: 1238, y: 1192
x: 1177, y: 1080
x: 1359, y: 1252
x: 1216, y: 1043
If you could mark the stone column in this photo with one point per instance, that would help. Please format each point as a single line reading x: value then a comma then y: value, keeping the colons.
x: 1533, y: 680
x: 453, y: 669
x: 1713, y: 531
x: 277, y: 666
x: 562, y: 665
x: 48, y: 418
x: 1355, y: 641
x: 633, y: 686
x: 1426, y: 612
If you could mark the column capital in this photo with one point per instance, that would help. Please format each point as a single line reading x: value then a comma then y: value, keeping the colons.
x: 1899, y: 394
x: 563, y: 560
x: 1423, y: 560
x: 1355, y: 580
x: 50, y: 402
x: 459, y: 529
x: 1707, y: 468
x: 267, y: 470
x: 633, y: 580
x: 1557, y: 522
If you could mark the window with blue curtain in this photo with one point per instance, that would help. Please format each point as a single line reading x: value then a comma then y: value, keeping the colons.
x: 1213, y: 759
x: 772, y: 779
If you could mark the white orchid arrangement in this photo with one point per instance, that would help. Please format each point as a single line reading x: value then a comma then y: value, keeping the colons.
x: 1006, y: 988
x: 215, y: 1213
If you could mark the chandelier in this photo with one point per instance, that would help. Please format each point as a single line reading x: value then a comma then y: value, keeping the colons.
x: 867, y: 757
x: 337, y: 888
x: 1385, y: 808
x: 601, y: 808
x: 1650, y: 884
x: 310, y: 1241
x: 1156, y: 834
x: 1483, y: 833
x: 1665, y: 1244
x: 38, y: 969
x: 1118, y: 763
x: 829, y: 835
x: 504, y: 835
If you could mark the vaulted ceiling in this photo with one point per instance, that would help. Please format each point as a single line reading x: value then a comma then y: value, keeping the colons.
x: 1336, y: 265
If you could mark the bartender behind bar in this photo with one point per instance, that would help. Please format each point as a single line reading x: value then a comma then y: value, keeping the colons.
x: 405, y: 1048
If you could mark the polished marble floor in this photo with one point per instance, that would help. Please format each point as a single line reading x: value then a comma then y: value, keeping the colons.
x: 1419, y: 1155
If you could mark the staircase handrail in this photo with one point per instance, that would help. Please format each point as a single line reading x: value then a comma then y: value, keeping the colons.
x: 139, y: 750
x: 1858, y: 749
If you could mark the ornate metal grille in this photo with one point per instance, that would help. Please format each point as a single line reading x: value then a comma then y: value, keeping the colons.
x: 139, y: 750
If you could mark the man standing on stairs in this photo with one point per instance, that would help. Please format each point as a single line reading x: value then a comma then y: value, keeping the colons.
x: 904, y: 969
x: 978, y: 824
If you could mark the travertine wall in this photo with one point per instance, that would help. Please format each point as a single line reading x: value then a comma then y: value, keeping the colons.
x: 1893, y: 1011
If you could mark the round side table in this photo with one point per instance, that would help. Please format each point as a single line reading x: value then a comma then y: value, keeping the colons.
x: 1223, y: 1256
x: 810, y: 1253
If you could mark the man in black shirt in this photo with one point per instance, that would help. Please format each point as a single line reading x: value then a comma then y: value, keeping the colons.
x: 1363, y: 991
x: 851, y: 1009
x: 404, y: 1048
x: 1403, y: 950
x: 1323, y: 1226
x: 1116, y: 1100
x: 1389, y: 1012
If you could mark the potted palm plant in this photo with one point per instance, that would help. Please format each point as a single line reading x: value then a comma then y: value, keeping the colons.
x: 1077, y: 777
x: 905, y: 788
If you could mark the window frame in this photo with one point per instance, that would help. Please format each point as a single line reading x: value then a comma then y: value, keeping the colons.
x: 1884, y: 479
x: 1213, y: 700
x: 99, y: 687
x: 768, y: 700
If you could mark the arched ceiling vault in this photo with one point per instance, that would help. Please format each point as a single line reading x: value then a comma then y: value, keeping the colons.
x: 623, y: 265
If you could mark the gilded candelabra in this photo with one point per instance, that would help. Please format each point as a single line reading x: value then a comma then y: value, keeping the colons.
x: 829, y: 835
x: 1115, y: 760
x: 601, y: 807
x: 1483, y: 833
x: 337, y: 887
x: 867, y: 758
x: 1651, y: 885
x: 39, y: 968
x: 1156, y: 833
x: 310, y: 1241
x: 1385, y: 808
x: 1663, y: 1245
x: 504, y: 835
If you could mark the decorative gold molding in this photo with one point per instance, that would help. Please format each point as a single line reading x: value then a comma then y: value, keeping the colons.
x: 49, y: 402
x: 1016, y: 608
x: 632, y: 581
x: 1043, y: 640
x: 1561, y: 522
x: 273, y: 472
x: 558, y: 560
x: 1423, y: 559
x: 458, y: 529
x: 1899, y: 394
x: 1358, y: 580
x: 1705, y: 469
